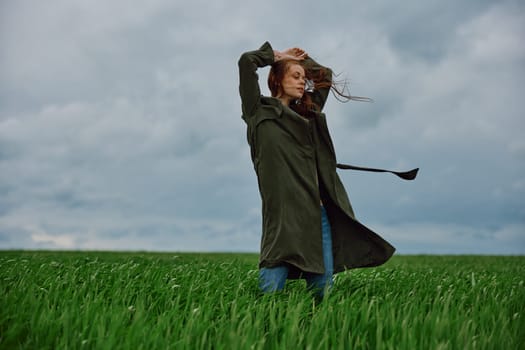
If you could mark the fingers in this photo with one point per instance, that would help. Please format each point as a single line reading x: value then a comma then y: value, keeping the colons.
x: 294, y: 53
x: 297, y: 53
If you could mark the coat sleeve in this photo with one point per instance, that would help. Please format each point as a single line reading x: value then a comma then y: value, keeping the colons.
x: 322, y: 77
x: 249, y: 80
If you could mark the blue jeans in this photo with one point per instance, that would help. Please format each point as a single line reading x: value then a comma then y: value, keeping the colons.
x: 273, y: 279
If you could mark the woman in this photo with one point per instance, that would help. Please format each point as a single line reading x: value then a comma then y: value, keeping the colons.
x: 309, y: 228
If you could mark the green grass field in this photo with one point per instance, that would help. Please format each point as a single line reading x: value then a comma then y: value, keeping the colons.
x: 95, y: 300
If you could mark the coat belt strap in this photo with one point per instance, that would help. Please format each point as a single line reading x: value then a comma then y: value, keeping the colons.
x: 406, y: 175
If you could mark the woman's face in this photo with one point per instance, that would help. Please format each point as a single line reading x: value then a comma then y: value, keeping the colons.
x: 292, y: 86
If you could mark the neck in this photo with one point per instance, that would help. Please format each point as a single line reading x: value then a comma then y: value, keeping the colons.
x: 285, y: 100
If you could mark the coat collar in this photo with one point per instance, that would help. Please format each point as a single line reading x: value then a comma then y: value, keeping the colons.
x: 266, y: 100
x: 273, y: 103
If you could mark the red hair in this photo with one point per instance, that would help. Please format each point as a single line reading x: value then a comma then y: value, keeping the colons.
x: 321, y: 78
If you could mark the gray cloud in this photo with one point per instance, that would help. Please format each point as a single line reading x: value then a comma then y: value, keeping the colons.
x: 120, y: 126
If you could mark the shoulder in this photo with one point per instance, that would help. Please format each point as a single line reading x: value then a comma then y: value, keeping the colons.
x: 270, y: 105
x: 271, y: 101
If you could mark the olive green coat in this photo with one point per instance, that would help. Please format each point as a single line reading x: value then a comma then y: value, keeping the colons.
x: 295, y: 162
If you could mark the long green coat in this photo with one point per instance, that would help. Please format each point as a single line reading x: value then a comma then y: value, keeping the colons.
x: 295, y: 162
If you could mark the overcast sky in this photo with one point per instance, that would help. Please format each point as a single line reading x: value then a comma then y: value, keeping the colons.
x: 120, y: 125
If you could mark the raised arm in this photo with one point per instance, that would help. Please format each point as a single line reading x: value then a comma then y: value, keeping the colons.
x: 248, y: 78
x: 322, y: 76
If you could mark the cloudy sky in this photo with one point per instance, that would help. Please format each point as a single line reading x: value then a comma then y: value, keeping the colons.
x: 120, y: 125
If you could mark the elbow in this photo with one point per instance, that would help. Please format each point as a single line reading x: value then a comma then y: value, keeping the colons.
x: 244, y: 60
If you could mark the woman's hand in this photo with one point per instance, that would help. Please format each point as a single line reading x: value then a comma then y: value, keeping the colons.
x: 293, y: 53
